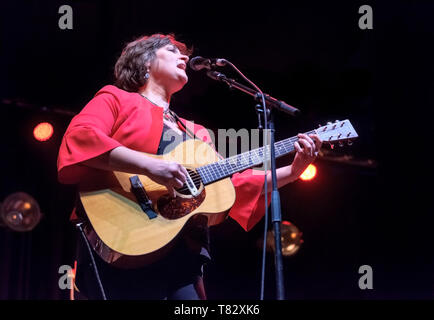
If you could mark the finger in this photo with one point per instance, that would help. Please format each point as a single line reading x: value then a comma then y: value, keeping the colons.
x: 317, y: 140
x: 318, y: 143
x: 176, y: 171
x: 180, y: 176
x: 297, y: 147
x: 176, y: 183
x: 307, y: 147
x: 308, y: 139
x: 315, y: 137
x: 184, y: 171
x: 171, y: 191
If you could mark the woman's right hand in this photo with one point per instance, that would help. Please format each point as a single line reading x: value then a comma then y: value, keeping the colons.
x: 168, y: 173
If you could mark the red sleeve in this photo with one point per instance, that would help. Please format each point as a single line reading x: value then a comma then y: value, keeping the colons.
x: 88, y: 135
x: 249, y: 206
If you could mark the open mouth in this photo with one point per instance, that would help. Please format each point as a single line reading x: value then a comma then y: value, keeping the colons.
x: 182, y: 66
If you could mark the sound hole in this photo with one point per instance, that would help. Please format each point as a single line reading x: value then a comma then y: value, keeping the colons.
x: 196, y: 180
x: 174, y: 208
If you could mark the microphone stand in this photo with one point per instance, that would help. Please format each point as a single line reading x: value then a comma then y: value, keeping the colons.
x: 271, y: 102
x: 276, y: 215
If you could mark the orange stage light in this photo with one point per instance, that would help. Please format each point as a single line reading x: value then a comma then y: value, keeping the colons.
x: 43, y: 131
x: 309, y: 173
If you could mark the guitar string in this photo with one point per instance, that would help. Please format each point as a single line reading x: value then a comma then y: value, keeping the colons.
x: 212, y: 172
x: 283, y: 143
x: 215, y: 172
x: 247, y: 156
x: 291, y: 140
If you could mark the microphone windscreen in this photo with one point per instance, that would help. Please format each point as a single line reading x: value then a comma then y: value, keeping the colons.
x: 198, y: 63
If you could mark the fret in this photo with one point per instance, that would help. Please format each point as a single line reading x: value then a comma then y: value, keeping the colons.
x: 213, y: 170
x: 201, y: 173
x: 210, y: 169
x: 208, y: 173
x: 219, y: 169
x: 281, y: 149
x: 278, y: 148
x: 251, y: 161
x: 225, y: 169
x: 236, y: 162
x: 232, y: 163
x: 244, y: 157
x: 255, y: 157
x: 288, y: 146
x: 241, y: 160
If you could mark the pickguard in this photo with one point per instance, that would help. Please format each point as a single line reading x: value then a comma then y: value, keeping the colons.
x: 178, y: 207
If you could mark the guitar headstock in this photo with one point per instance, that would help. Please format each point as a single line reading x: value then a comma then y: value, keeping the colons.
x: 338, y: 131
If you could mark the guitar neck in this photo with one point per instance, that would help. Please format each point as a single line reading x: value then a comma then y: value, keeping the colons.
x: 226, y: 167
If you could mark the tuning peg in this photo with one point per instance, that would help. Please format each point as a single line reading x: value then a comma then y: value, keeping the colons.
x: 341, y: 144
x: 319, y: 126
x: 328, y: 123
x: 349, y: 142
x: 332, y: 146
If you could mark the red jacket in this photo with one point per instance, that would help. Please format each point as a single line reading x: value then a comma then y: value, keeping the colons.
x: 114, y: 118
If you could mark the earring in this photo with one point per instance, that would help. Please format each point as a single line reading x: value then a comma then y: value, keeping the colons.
x: 147, y: 74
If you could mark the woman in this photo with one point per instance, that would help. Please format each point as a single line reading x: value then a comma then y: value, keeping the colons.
x: 132, y: 117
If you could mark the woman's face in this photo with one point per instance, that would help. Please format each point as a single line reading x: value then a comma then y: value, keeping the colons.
x: 168, y: 68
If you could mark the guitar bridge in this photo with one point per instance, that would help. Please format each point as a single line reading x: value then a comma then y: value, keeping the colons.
x: 142, y: 197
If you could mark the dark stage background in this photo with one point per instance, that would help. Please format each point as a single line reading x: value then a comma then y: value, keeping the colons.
x: 310, y: 54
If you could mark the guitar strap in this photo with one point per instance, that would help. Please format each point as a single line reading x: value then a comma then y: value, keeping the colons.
x: 191, y: 134
x: 188, y: 131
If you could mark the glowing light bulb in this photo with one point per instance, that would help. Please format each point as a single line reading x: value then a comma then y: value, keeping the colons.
x: 309, y: 173
x: 43, y: 131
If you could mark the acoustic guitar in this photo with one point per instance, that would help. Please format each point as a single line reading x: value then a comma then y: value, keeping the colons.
x: 131, y: 220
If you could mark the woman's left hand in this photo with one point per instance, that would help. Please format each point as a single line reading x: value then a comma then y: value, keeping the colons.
x: 307, y: 148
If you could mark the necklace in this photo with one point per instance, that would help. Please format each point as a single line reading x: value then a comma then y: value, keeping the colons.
x: 172, y: 117
x: 165, y: 111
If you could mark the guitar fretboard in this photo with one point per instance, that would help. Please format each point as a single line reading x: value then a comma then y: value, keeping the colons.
x: 226, y: 167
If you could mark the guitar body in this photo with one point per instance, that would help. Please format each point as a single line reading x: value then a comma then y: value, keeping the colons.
x: 122, y: 233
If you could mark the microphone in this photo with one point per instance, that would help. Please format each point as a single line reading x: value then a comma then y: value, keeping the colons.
x: 199, y: 63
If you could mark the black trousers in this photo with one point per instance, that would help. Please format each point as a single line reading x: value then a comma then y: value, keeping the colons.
x: 178, y: 276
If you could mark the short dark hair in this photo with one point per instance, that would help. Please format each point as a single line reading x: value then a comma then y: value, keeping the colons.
x: 130, y: 68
